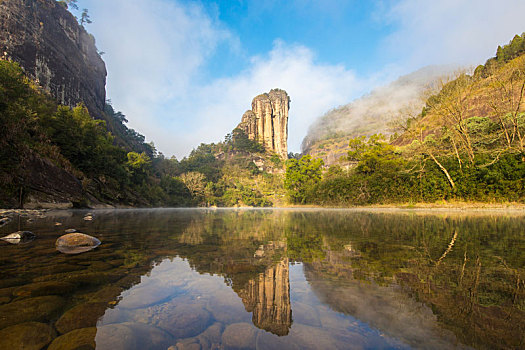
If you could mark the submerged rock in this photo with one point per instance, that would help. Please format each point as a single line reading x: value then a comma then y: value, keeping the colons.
x: 27, y: 336
x: 70, y: 230
x: 83, y: 338
x: 19, y: 237
x: 44, y: 288
x: 39, y: 309
x: 184, y: 320
x: 80, y: 316
x: 239, y: 336
x: 88, y: 218
x: 131, y: 336
x: 76, y: 243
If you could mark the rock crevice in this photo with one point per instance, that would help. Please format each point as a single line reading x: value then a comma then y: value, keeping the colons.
x: 267, y: 121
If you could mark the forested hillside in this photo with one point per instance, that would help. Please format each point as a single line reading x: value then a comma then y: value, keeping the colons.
x: 466, y: 144
x: 53, y: 155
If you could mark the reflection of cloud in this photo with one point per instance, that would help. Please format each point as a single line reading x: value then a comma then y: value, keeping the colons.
x: 388, y: 309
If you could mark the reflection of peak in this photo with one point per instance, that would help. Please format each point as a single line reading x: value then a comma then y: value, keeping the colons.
x: 268, y: 297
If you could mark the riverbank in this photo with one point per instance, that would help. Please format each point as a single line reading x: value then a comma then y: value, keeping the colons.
x: 436, y: 205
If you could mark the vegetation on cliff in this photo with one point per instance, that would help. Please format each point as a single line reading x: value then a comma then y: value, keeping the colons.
x: 120, y: 168
x: 466, y: 144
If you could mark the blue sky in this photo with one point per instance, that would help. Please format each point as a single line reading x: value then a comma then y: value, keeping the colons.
x: 184, y: 72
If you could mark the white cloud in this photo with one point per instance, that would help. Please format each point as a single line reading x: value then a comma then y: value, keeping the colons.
x: 313, y: 89
x: 155, y: 54
x: 450, y: 31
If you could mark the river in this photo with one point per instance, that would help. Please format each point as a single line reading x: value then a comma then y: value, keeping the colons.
x: 267, y: 279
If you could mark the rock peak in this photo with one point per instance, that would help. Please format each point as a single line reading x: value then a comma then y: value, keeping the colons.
x: 267, y: 121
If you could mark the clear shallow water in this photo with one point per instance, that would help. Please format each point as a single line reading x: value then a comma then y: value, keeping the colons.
x: 267, y: 279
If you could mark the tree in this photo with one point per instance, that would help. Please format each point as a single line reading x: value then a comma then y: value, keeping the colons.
x: 85, y: 17
x: 69, y: 3
x: 195, y: 182
x: 138, y: 165
x: 507, y: 102
x: 301, y: 177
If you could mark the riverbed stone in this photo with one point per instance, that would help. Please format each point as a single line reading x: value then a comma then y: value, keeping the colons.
x: 11, y: 282
x: 55, y: 268
x: 39, y: 309
x: 143, y: 297
x: 305, y: 314
x: 27, y: 336
x: 106, y: 294
x: 211, y: 337
x: 83, y: 338
x: 75, y: 243
x: 82, y: 278
x: 269, y: 341
x: 227, y: 308
x: 239, y: 336
x: 44, y: 288
x: 81, y: 316
x: 184, y: 321
x: 132, y: 336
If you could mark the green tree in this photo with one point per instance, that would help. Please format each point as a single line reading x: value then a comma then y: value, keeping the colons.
x: 138, y: 165
x: 85, y: 18
x: 301, y: 177
x: 69, y: 3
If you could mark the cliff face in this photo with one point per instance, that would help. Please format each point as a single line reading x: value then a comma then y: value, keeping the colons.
x: 267, y: 121
x: 54, y: 50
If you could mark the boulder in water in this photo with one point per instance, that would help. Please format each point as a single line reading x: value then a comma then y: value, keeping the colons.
x: 76, y: 243
x: 19, y: 237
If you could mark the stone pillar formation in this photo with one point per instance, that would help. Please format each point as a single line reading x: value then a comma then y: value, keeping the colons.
x: 267, y: 121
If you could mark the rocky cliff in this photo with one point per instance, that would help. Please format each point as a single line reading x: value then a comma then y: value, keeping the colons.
x: 267, y: 121
x: 54, y: 50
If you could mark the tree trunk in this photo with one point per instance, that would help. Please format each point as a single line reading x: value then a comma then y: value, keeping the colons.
x: 444, y: 170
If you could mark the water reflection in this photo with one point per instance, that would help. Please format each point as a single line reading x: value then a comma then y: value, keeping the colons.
x: 269, y: 279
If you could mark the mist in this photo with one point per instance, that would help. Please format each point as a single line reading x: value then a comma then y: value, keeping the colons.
x: 164, y: 60
x: 373, y: 113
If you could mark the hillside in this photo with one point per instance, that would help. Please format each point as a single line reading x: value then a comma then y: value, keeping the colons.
x: 378, y: 112
x: 467, y: 144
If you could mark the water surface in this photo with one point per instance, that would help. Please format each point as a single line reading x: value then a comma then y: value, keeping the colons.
x: 267, y: 279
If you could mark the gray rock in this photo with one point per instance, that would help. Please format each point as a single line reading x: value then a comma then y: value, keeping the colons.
x: 70, y: 230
